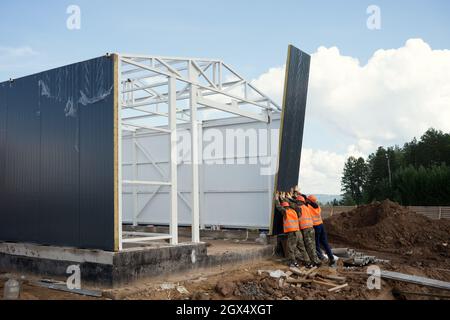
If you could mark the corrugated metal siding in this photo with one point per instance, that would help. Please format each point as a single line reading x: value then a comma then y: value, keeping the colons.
x: 57, y: 150
x: 293, y: 121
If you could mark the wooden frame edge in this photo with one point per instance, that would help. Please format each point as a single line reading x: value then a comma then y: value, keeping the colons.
x: 280, y: 138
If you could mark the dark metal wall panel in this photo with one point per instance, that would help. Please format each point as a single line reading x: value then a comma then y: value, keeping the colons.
x: 293, y: 118
x: 58, y: 151
x: 21, y: 192
x: 291, y: 129
x: 3, y: 115
x: 97, y: 158
x: 59, y: 183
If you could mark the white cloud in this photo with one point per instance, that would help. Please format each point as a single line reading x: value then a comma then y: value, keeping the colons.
x: 16, y: 52
x: 397, y: 95
x: 320, y: 171
x: 12, y: 58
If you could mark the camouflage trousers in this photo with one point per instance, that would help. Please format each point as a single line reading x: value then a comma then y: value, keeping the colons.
x: 295, y: 247
x: 309, y: 238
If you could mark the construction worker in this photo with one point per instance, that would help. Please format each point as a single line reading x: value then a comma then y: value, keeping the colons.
x: 303, y: 257
x: 307, y: 230
x: 319, y: 229
x: 291, y: 230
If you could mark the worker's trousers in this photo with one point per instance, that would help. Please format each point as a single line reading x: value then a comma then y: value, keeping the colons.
x: 322, y: 241
x: 296, y: 247
x: 310, y: 244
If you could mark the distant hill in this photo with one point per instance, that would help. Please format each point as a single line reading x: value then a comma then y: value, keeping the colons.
x: 324, y: 198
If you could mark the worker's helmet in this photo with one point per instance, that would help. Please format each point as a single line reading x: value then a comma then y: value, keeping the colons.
x: 301, y: 198
x: 285, y: 204
x: 312, y: 198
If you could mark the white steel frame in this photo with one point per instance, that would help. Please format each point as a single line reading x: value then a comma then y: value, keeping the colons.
x: 148, y: 82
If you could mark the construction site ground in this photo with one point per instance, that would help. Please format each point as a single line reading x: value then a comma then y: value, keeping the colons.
x: 244, y: 282
x: 400, y: 240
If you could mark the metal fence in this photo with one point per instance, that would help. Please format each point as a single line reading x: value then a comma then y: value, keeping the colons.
x: 435, y: 213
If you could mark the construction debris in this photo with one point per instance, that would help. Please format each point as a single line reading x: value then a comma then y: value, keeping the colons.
x: 351, y: 257
x: 182, y: 290
x: 315, y: 275
x: 167, y: 286
x: 277, y: 274
x: 225, y: 288
x: 338, y: 288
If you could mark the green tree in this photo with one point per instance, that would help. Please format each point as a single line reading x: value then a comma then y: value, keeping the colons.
x: 381, y: 166
x: 353, y: 180
x: 432, y: 149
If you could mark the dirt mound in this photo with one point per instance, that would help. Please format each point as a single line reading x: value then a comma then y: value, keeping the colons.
x: 388, y: 226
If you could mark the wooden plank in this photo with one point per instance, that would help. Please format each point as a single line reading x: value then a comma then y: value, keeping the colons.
x: 415, y: 280
x: 334, y: 278
x: 297, y: 271
x: 338, y: 288
x: 292, y: 280
x: 324, y: 283
x: 310, y: 271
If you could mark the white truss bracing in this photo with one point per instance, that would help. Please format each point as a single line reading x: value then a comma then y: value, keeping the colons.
x: 155, y: 94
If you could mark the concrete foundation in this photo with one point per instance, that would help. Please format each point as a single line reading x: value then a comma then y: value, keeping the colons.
x: 112, y: 269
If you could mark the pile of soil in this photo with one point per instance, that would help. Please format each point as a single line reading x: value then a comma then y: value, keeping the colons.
x: 387, y: 226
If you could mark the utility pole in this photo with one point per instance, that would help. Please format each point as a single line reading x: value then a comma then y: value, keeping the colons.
x: 389, y: 169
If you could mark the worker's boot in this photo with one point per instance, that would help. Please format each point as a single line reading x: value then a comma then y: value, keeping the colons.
x: 332, y: 263
x: 293, y: 264
x: 318, y: 264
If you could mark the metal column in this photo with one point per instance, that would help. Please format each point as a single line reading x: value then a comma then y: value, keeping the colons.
x: 193, y: 75
x: 136, y: 177
x: 173, y: 161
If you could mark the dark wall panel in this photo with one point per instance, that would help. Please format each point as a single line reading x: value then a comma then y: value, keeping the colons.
x: 58, y: 156
x: 96, y: 157
x: 59, y: 183
x: 3, y: 116
x: 22, y: 162
x: 293, y: 118
x: 291, y: 129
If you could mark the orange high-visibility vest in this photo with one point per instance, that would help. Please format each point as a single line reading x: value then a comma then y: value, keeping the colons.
x: 290, y: 222
x: 316, y: 215
x: 305, y: 220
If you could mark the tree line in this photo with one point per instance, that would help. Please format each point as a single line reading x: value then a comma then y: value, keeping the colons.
x: 416, y: 174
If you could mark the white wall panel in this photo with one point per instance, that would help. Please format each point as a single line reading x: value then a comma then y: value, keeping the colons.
x: 231, y: 195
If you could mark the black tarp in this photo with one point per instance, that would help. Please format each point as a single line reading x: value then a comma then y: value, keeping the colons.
x: 57, y: 156
x: 292, y: 124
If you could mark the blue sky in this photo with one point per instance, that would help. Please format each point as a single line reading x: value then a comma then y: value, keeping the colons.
x: 252, y: 36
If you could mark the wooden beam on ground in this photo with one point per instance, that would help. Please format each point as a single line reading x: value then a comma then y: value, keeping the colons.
x: 325, y: 283
x: 292, y: 280
x: 338, y: 288
x: 310, y: 271
x: 334, y: 278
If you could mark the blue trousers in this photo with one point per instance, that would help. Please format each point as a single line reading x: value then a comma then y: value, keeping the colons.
x: 322, y: 241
